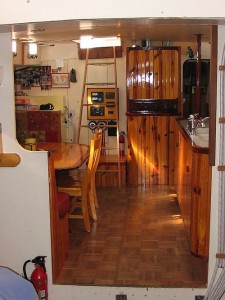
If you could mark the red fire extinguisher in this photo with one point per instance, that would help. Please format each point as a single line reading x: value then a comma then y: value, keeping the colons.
x: 39, y: 276
x: 122, y: 143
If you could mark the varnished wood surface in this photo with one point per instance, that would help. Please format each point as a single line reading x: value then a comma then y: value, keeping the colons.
x: 148, y: 150
x: 9, y: 159
x: 59, y: 227
x: 138, y: 240
x: 184, y: 185
x: 66, y: 155
x: 153, y: 74
x: 201, y: 195
x: 194, y: 194
x: 213, y: 94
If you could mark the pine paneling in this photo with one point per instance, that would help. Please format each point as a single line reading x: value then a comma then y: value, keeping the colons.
x: 153, y: 74
x: 147, y: 155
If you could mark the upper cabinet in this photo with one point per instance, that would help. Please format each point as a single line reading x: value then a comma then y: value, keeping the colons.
x: 153, y: 80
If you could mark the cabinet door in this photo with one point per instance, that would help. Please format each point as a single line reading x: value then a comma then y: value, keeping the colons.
x: 200, y: 204
x: 147, y: 154
x: 173, y: 152
x: 185, y: 182
x: 153, y: 74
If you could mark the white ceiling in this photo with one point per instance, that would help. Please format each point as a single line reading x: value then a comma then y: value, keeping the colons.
x: 128, y: 29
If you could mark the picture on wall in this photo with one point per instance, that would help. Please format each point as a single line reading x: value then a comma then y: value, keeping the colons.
x: 60, y: 80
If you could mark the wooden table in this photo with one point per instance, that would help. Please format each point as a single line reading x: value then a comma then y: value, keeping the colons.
x: 66, y: 155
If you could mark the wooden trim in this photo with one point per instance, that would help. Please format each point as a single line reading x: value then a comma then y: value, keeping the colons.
x: 9, y: 159
x: 213, y: 94
x: 222, y: 120
x: 198, y: 74
x: 100, y: 53
x: 221, y: 168
x: 220, y: 255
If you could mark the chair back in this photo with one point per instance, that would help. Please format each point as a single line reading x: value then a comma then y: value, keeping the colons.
x: 95, y: 150
x: 98, y: 135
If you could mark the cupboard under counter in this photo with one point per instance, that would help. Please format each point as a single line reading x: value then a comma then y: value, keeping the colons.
x: 193, y: 185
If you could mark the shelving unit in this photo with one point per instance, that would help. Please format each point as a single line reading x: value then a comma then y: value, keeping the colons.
x: 100, y: 101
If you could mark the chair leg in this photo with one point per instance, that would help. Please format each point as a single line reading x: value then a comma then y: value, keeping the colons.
x: 93, y: 188
x: 92, y: 205
x: 84, y: 205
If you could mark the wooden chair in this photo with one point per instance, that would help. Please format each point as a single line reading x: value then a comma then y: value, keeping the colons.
x: 96, y: 135
x: 81, y: 186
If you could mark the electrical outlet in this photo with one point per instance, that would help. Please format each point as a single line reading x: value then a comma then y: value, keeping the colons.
x: 199, y: 297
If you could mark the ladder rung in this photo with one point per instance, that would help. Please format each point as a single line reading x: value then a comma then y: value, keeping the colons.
x: 99, y: 104
x: 109, y: 148
x: 100, y: 83
x: 111, y: 171
x: 110, y: 126
x: 100, y: 64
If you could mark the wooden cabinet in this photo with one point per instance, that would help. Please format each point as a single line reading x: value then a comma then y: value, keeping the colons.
x: 200, y: 214
x: 184, y: 189
x: 194, y: 192
x: 153, y: 80
x: 148, y: 150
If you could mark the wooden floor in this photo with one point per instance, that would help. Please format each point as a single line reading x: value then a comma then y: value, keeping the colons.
x: 138, y: 240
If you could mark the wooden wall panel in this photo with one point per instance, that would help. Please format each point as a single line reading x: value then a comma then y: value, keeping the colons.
x: 147, y: 153
x: 132, y: 151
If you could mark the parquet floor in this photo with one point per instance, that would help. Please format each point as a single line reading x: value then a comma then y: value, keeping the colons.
x: 138, y: 240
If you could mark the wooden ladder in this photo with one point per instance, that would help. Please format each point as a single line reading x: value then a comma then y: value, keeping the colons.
x: 85, y: 104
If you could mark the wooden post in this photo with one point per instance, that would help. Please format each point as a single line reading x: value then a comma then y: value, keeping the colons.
x: 198, y: 75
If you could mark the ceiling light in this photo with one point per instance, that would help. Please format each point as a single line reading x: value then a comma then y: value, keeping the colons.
x: 14, y: 46
x: 90, y: 42
x: 32, y: 50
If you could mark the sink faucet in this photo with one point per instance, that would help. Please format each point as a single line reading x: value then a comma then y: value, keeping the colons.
x: 194, y: 121
x: 202, y: 122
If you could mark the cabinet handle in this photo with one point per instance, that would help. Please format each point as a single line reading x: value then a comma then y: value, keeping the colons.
x: 187, y: 169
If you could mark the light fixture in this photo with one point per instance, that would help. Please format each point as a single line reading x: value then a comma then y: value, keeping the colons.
x: 32, y: 50
x: 14, y: 48
x: 90, y: 42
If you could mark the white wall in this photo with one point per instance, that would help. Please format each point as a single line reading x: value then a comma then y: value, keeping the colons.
x: 33, y: 10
